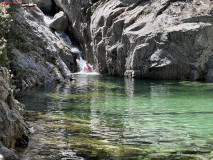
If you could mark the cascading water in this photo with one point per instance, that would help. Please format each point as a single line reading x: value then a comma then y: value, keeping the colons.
x: 66, y: 41
x: 48, y: 20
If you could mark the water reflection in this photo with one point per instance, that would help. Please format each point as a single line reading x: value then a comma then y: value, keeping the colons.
x: 154, y: 114
x: 129, y: 86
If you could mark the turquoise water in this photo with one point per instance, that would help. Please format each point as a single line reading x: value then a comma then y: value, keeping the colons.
x: 159, y: 115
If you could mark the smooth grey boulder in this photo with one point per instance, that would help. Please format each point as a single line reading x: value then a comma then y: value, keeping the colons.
x: 59, y: 22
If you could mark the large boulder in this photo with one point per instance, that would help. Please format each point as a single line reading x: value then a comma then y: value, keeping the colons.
x: 59, y: 22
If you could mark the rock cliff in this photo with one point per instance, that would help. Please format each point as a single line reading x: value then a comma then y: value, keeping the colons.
x: 167, y: 39
x: 13, y: 130
x: 37, y: 55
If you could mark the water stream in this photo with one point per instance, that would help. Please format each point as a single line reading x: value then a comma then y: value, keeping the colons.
x: 97, y: 117
x: 65, y: 39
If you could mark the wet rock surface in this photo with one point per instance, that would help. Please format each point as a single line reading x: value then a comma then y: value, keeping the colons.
x: 56, y: 137
x: 47, y: 142
x: 13, y: 129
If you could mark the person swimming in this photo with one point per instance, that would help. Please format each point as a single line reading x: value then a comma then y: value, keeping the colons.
x: 87, y: 69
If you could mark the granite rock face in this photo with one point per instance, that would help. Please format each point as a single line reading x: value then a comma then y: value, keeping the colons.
x: 166, y: 39
x: 13, y: 130
x: 35, y: 62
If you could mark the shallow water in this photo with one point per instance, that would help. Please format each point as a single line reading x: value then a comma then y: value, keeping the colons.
x: 116, y: 118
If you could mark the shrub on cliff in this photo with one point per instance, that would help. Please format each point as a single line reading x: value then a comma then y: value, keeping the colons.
x: 4, y: 29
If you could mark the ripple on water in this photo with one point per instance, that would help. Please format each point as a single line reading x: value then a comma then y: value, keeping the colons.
x: 116, y: 117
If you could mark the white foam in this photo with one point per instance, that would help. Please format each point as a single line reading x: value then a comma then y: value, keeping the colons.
x: 31, y: 130
x: 1, y: 157
x: 80, y: 61
x: 48, y: 20
x: 90, y: 73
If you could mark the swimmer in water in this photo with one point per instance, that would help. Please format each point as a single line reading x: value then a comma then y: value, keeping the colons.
x: 87, y: 69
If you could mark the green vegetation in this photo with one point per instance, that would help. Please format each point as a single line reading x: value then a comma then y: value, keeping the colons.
x: 13, y: 36
x: 90, y: 146
x: 22, y: 106
x: 85, y: 143
x: 5, y: 20
x: 23, y: 38
x: 111, y: 118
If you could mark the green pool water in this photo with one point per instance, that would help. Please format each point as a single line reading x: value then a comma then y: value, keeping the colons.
x: 154, y: 118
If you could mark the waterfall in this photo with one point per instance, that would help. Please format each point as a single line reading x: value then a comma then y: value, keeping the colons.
x: 66, y: 41
x: 48, y: 20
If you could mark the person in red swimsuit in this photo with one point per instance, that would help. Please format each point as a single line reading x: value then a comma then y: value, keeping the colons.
x: 88, y: 68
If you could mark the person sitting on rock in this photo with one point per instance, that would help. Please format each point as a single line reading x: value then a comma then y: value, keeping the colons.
x: 87, y: 69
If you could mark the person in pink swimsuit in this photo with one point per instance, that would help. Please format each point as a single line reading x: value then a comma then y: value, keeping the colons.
x: 88, y: 68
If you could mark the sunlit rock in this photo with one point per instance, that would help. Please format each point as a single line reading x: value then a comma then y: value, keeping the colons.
x: 59, y: 22
x: 158, y: 39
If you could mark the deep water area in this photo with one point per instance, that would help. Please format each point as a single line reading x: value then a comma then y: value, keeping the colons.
x: 98, y: 117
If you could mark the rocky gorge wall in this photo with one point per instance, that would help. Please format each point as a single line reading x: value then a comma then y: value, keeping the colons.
x: 167, y: 39
x: 13, y: 129
x: 37, y: 56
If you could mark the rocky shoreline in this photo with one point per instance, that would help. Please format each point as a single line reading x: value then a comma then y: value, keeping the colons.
x: 13, y: 130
